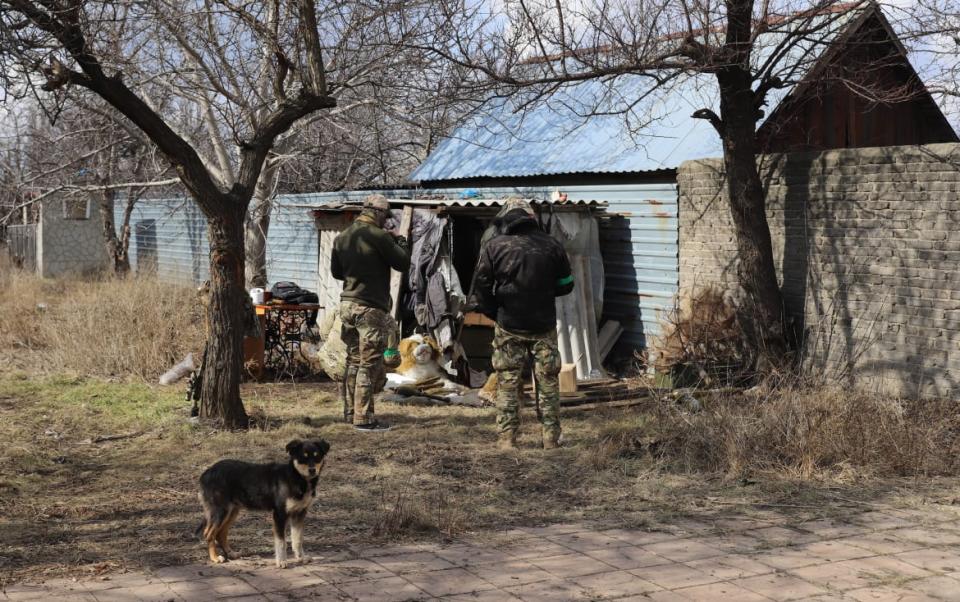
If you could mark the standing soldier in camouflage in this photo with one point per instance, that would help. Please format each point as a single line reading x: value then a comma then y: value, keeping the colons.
x: 362, y: 257
x: 521, y: 271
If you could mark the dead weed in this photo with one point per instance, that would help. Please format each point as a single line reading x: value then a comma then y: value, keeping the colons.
x: 807, y: 433
x: 108, y: 327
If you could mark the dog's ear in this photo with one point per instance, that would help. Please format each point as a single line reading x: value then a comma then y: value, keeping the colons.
x: 294, y: 447
x: 323, y: 446
x: 405, y: 346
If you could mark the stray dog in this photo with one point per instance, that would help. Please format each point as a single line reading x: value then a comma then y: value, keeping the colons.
x: 420, y: 361
x: 287, y: 490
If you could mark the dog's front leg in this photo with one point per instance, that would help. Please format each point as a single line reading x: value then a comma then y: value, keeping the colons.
x: 280, y: 538
x: 296, y: 533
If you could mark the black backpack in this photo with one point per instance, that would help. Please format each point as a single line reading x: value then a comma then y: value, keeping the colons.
x: 286, y: 291
x: 290, y: 292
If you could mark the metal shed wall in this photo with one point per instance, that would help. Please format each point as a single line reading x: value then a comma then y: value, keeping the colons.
x: 639, y: 243
x: 169, y: 237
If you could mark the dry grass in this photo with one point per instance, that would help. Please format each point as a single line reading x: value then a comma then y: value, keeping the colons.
x: 400, y: 516
x: 814, y: 433
x: 131, y: 502
x: 114, y: 328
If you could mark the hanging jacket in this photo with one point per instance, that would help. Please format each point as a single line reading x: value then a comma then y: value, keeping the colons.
x: 520, y: 273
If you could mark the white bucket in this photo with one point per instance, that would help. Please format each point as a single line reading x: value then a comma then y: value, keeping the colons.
x: 256, y: 294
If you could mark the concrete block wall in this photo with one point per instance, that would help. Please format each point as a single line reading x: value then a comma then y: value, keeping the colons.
x: 867, y: 248
x: 69, y: 246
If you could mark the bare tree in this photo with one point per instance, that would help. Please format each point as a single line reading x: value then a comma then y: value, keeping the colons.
x: 382, y: 128
x: 931, y: 29
x: 246, y: 70
x: 533, y: 50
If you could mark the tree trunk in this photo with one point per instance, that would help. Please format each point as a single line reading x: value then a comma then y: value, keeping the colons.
x: 116, y: 248
x: 123, y: 251
x: 258, y: 225
x: 220, y: 394
x: 763, y: 310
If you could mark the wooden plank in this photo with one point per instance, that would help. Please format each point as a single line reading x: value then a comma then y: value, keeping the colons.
x: 591, y: 397
x: 396, y: 278
x: 570, y: 304
x: 588, y: 314
x: 608, y: 336
x: 598, y: 395
x: 627, y: 403
x: 598, y: 382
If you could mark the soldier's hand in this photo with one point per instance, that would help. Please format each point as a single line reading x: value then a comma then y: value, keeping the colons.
x: 402, y: 242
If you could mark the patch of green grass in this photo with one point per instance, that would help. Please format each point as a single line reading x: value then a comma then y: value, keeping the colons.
x: 23, y: 388
x: 112, y: 404
x: 128, y: 402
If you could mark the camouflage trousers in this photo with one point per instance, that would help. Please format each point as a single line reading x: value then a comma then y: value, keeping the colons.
x: 510, y: 354
x: 366, y: 332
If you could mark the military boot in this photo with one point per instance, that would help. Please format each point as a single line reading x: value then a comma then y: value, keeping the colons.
x: 551, y: 438
x: 507, y: 440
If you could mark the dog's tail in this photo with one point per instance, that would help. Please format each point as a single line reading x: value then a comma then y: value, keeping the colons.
x: 199, y: 530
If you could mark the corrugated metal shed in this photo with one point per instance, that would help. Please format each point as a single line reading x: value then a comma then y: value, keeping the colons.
x: 169, y: 238
x: 640, y: 246
x: 638, y: 242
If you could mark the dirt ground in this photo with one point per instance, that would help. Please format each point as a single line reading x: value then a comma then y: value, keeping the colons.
x: 98, y: 477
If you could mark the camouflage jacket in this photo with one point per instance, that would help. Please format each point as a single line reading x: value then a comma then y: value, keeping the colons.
x: 521, y: 272
x: 362, y: 257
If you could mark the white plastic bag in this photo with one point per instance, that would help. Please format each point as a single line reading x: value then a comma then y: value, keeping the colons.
x: 178, y: 371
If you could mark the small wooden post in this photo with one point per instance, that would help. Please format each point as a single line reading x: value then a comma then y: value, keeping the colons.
x: 568, y: 378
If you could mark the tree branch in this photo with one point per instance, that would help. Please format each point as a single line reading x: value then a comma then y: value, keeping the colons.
x: 315, y: 78
x: 712, y: 117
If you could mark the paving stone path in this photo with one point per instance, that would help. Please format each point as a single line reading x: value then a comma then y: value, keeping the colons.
x: 902, y: 555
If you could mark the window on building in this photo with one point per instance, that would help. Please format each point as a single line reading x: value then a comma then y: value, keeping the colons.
x: 76, y: 209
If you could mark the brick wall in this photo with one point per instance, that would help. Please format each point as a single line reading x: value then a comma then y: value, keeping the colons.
x: 867, y: 248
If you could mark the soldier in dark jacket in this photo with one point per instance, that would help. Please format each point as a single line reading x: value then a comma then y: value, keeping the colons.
x: 520, y: 273
x: 362, y: 257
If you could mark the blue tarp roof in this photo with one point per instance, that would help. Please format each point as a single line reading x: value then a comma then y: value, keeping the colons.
x: 582, y: 127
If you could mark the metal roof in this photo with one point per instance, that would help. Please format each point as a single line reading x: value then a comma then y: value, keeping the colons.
x: 464, y: 203
x: 581, y: 128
